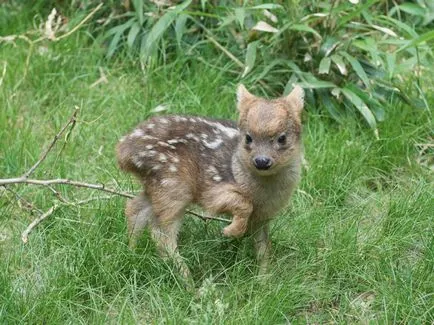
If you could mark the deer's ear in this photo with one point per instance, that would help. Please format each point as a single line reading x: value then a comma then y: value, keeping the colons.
x: 243, y: 96
x: 296, y: 99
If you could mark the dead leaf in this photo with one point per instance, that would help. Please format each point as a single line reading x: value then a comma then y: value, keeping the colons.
x: 264, y: 27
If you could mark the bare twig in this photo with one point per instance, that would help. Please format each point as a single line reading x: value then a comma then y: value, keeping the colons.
x: 23, y: 203
x: 80, y: 23
x: 206, y: 217
x: 72, y: 122
x: 225, y: 51
x: 63, y: 181
x: 25, y: 234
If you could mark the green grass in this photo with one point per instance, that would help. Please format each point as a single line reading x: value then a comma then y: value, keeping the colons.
x: 356, y: 245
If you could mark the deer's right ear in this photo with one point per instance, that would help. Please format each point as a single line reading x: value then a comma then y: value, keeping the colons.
x: 243, y: 96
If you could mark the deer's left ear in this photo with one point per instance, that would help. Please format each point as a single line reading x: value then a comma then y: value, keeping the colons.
x: 296, y: 99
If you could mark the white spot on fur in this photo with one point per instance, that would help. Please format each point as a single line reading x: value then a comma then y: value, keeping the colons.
x: 192, y: 120
x: 138, y: 161
x: 122, y: 139
x: 137, y: 133
x: 173, y: 168
x: 148, y: 137
x: 183, y: 119
x: 149, y: 146
x: 229, y: 131
x: 148, y: 153
x: 166, y: 145
x: 156, y: 167
x: 150, y: 126
x: 212, y: 170
x: 204, y: 135
x: 164, y: 120
x: 192, y: 136
x: 173, y: 141
x: 162, y: 157
x: 175, y: 160
x: 213, y: 144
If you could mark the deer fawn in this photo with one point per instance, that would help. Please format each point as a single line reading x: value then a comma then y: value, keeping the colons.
x: 247, y: 170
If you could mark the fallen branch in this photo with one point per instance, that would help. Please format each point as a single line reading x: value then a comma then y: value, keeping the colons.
x: 49, y: 212
x: 80, y: 23
x: 63, y: 181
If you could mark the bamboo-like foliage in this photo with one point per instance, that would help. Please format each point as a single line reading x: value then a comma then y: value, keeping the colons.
x: 350, y: 56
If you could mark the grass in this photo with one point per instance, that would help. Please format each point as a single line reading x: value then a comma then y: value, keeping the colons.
x: 355, y: 246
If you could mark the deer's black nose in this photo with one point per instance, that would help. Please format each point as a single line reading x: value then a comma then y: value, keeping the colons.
x: 262, y: 162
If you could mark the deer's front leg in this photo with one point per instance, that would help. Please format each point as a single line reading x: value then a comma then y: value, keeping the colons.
x: 262, y: 247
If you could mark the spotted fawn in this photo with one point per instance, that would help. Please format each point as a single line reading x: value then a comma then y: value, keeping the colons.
x: 247, y: 169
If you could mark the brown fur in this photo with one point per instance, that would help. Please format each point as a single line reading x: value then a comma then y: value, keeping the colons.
x: 182, y: 160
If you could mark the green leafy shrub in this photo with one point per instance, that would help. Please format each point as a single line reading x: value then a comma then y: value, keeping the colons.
x: 354, y: 54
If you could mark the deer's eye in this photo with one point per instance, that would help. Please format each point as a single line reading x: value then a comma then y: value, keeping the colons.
x: 248, y: 139
x: 281, y: 139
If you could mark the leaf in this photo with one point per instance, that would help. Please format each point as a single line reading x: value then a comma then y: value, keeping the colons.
x: 265, y: 27
x: 426, y: 37
x: 324, y: 66
x: 412, y: 9
x: 180, y: 27
x: 138, y: 6
x: 240, y: 14
x: 361, y: 106
x: 337, y: 59
x: 385, y: 30
x: 357, y: 67
x: 328, y: 45
x: 118, y: 32
x: 330, y: 104
x: 290, y: 84
x: 267, y: 6
x: 314, y: 83
x: 398, y: 24
x: 270, y: 16
x: 369, y: 98
x: 250, y: 57
x: 132, y: 34
x: 370, y: 45
x: 355, y: 13
x: 161, y: 26
x: 391, y: 63
x: 305, y: 28
x: 290, y: 64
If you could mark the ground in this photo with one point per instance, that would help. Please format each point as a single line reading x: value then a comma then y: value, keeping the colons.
x: 355, y: 245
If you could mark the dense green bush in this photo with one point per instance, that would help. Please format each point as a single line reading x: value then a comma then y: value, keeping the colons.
x: 349, y: 55
x: 352, y: 57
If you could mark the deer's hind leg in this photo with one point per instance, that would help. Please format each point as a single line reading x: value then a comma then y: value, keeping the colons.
x: 169, y: 207
x: 138, y: 213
